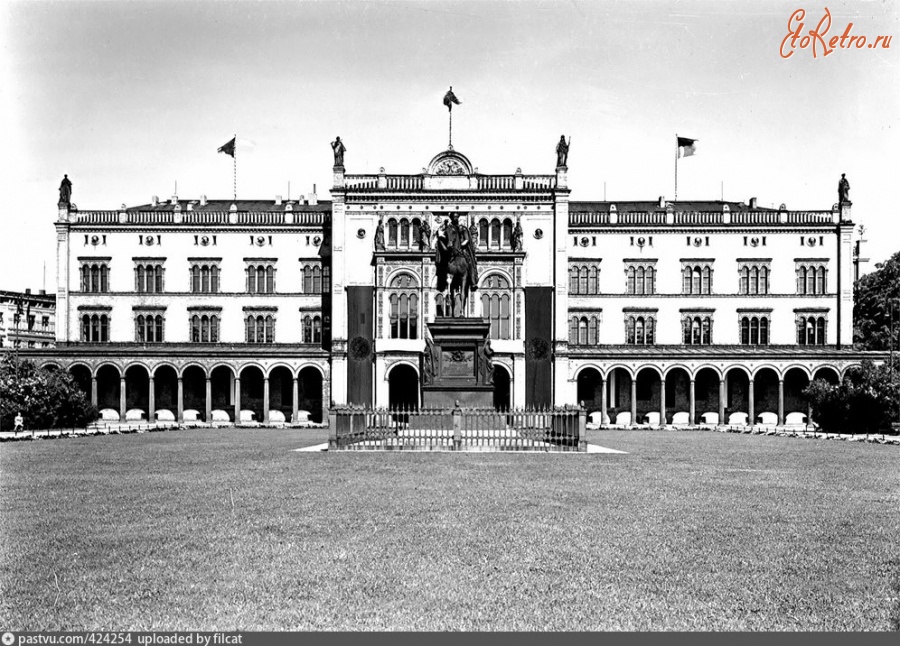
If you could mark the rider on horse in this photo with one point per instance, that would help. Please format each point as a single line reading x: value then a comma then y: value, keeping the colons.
x: 455, y: 257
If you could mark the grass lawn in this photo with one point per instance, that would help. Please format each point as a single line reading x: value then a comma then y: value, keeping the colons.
x: 232, y: 530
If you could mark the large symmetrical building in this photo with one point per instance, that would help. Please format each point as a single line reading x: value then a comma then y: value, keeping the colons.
x: 705, y: 310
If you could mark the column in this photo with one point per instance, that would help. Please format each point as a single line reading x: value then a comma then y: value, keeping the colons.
x: 208, y: 399
x: 751, y: 404
x: 603, y: 405
x: 94, y: 391
x: 693, y: 403
x: 662, y: 401
x: 296, y: 399
x: 122, y: 398
x: 151, y: 413
x: 265, y: 418
x: 326, y: 398
x: 237, y: 399
x: 781, y: 402
x: 634, y: 400
x: 180, y: 400
x: 721, y: 401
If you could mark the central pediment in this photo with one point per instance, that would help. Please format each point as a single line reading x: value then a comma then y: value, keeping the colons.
x: 450, y: 162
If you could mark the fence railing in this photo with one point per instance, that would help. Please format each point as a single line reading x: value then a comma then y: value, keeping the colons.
x: 363, y: 428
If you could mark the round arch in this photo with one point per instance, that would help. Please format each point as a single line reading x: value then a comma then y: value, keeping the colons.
x: 651, y: 368
x: 494, y: 271
x: 795, y: 366
x: 616, y: 366
x: 280, y: 364
x: 676, y: 366
x: 315, y: 366
x: 131, y: 364
x: 249, y: 364
x: 403, y: 271
x: 843, y: 373
x: 194, y: 364
x: 502, y: 387
x: 107, y: 364
x: 165, y: 364
x: 403, y: 385
x: 585, y: 366
x: 740, y: 368
x: 826, y: 366
x: 400, y: 362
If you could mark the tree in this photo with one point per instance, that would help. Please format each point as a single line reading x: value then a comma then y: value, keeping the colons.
x: 47, y: 398
x: 872, y: 297
x: 864, y: 402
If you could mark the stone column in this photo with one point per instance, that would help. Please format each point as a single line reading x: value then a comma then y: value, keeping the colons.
x: 662, y: 401
x: 208, y: 399
x: 692, y: 403
x: 237, y: 399
x: 603, y: 405
x: 326, y: 398
x: 634, y: 400
x: 296, y: 401
x: 94, y: 390
x: 265, y: 418
x: 180, y: 400
x: 781, y: 402
x: 151, y: 413
x: 751, y: 404
x: 122, y: 399
x: 722, y: 388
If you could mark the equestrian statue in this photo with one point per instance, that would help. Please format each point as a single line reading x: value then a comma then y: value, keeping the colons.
x: 457, y: 268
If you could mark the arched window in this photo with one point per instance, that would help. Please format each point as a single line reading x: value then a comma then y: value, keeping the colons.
x: 745, y: 330
x: 507, y: 233
x: 307, y: 280
x: 820, y: 280
x: 317, y: 280
x: 496, y: 301
x: 754, y: 331
x: 630, y: 272
x: 86, y: 328
x: 639, y: 330
x: 593, y: 287
x: 583, y: 280
x: 573, y: 279
x: 317, y: 329
x: 820, y: 331
x: 811, y: 280
x: 686, y: 280
x: 483, y: 233
x: 745, y: 280
x: 404, y: 307
x: 392, y: 232
x: 495, y: 234
x: 404, y: 232
x: 630, y: 330
x: 270, y: 280
x: 195, y: 279
x: 139, y: 278
x: 416, y: 233
x: 573, y: 330
x: 251, y: 279
x: 592, y: 331
x: 582, y: 331
x: 764, y: 331
x: 307, y: 329
x: 695, y: 280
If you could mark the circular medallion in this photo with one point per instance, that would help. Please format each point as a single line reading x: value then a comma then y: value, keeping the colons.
x: 95, y: 240
x: 698, y: 241
x: 359, y: 348
x: 149, y: 241
x: 204, y: 240
x: 260, y: 241
x: 538, y: 234
x: 317, y: 240
x: 811, y: 241
x: 641, y: 242
x: 754, y: 241
x: 538, y: 349
x: 584, y: 241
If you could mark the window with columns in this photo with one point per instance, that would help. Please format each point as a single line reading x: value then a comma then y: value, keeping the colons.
x: 812, y: 277
x: 312, y: 278
x: 640, y: 277
x: 584, y: 329
x: 261, y: 277
x: 496, y: 305
x: 696, y: 277
x: 149, y: 328
x: 811, y: 329
x: 148, y: 276
x: 640, y: 328
x: 205, y: 327
x: 205, y: 277
x: 495, y: 233
x: 696, y: 328
x: 403, y: 311
x: 584, y: 278
x: 95, y: 276
x: 259, y: 328
x: 755, y: 328
x: 403, y: 233
x: 753, y: 276
x: 95, y: 327
x: 312, y: 328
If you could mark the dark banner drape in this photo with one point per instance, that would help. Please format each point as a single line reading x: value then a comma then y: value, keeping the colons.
x: 538, y: 346
x: 360, y: 320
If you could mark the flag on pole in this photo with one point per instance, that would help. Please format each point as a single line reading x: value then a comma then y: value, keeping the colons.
x: 450, y: 99
x: 228, y: 148
x: 686, y: 147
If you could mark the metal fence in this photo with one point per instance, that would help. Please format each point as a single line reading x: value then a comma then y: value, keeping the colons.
x: 361, y: 428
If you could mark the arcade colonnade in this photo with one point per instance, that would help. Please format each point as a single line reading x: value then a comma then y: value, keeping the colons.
x: 227, y: 386
x: 700, y: 393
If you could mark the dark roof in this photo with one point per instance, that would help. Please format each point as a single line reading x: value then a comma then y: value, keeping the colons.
x: 254, y: 206
x: 642, y: 206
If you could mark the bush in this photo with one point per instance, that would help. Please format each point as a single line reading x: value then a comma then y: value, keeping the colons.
x: 46, y: 398
x: 864, y: 402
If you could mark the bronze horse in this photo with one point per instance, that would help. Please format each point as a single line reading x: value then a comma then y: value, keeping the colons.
x: 456, y: 268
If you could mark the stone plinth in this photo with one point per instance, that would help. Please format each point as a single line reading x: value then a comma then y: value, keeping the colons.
x: 457, y: 372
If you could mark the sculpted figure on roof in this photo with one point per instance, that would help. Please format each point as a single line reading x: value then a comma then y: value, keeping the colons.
x: 562, y: 151
x: 65, y: 190
x: 339, y: 149
x: 843, y: 190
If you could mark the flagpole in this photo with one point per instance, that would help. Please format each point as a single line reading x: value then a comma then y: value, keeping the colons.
x: 450, y: 142
x: 234, y: 159
x: 676, y: 166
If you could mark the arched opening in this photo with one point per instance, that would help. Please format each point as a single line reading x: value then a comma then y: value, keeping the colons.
x: 648, y: 395
x: 108, y: 388
x: 795, y: 382
x: 706, y: 397
x: 82, y: 376
x: 222, y: 387
x: 403, y: 387
x: 765, y: 396
x: 194, y: 390
x: 619, y: 385
x: 252, y: 387
x: 502, y: 398
x: 309, y: 393
x: 588, y: 390
x: 137, y: 393
x: 737, y: 397
x: 678, y: 393
x: 166, y: 392
x: 828, y: 375
x: 281, y: 393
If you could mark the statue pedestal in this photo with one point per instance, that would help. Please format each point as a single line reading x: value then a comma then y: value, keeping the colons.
x: 458, y: 375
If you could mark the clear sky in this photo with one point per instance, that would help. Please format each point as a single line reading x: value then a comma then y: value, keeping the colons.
x: 130, y: 97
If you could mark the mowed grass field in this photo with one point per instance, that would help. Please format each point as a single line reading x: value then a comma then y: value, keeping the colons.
x: 233, y: 530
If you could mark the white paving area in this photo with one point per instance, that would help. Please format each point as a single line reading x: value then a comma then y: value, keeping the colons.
x: 591, y: 448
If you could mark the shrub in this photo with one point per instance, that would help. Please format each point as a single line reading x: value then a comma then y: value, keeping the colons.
x: 46, y: 398
x: 864, y: 402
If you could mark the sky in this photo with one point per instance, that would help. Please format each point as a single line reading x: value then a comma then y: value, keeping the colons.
x: 129, y: 98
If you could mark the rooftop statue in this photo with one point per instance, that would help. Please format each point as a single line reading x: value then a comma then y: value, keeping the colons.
x: 65, y: 191
x: 843, y: 190
x: 562, y: 151
x: 339, y: 149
